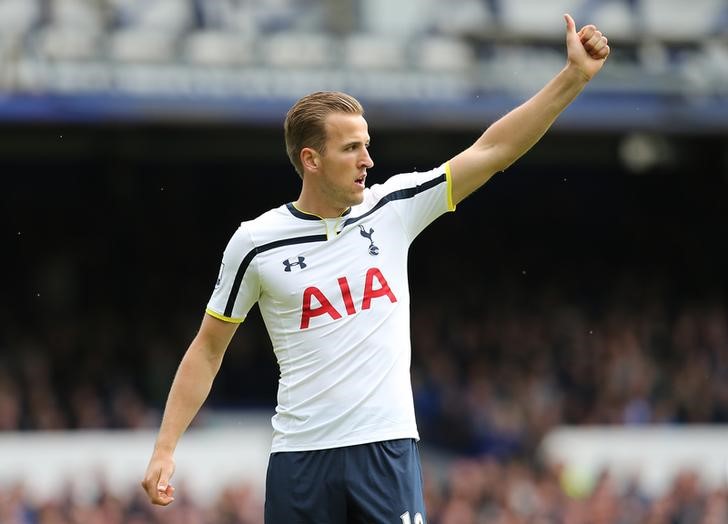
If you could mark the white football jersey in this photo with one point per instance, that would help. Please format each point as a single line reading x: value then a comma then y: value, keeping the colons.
x: 334, y: 295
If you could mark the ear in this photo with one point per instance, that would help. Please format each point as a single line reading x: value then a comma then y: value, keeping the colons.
x: 309, y: 159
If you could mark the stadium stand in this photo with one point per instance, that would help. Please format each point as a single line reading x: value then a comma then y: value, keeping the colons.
x: 658, y: 50
x: 218, y: 47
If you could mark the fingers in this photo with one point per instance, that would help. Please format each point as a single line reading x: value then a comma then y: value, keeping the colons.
x: 161, y: 495
x: 586, y: 32
x: 164, y: 489
x: 165, y: 495
x: 594, y: 42
x: 156, y: 485
x: 603, y: 52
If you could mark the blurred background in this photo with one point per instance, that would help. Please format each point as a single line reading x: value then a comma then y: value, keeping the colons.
x: 569, y: 320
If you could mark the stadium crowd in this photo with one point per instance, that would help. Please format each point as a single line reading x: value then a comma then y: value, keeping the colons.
x: 500, y: 380
x: 472, y: 491
x: 496, y: 377
x: 489, y: 382
x: 537, y: 326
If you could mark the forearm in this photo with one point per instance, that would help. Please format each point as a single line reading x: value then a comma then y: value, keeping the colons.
x: 515, y: 133
x: 509, y: 138
x: 190, y: 388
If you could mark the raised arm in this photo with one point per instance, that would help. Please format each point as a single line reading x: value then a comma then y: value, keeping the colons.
x: 511, y: 136
x: 189, y: 390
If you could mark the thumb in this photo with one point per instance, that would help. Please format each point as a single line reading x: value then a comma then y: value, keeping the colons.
x: 570, y: 24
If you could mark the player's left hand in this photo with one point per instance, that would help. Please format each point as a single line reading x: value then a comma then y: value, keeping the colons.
x: 587, y: 49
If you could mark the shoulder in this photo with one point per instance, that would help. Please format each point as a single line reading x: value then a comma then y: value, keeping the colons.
x: 405, y: 185
x: 273, y: 221
x: 275, y: 218
x: 250, y: 233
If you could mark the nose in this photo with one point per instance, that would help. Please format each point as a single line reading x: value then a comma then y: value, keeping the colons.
x: 366, y: 159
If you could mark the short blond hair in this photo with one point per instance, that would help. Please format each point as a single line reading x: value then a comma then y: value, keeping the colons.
x: 304, y: 125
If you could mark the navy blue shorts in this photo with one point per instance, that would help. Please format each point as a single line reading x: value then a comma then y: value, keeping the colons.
x: 377, y: 483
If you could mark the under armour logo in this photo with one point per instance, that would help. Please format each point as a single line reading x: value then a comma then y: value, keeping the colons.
x: 299, y: 262
x: 373, y: 250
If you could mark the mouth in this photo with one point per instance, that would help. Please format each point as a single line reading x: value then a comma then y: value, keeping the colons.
x: 360, y: 181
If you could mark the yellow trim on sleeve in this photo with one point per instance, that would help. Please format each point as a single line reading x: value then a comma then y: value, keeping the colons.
x: 448, y: 176
x: 223, y: 317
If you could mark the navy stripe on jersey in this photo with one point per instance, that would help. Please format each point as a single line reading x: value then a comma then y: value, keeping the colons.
x: 256, y: 251
x: 400, y: 195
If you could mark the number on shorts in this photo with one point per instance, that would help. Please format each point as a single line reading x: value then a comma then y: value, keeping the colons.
x: 407, y: 520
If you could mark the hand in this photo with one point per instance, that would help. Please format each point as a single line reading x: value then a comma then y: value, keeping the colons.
x: 587, y: 50
x: 156, y: 480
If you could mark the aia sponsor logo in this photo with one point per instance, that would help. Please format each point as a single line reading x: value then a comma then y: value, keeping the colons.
x: 375, y: 286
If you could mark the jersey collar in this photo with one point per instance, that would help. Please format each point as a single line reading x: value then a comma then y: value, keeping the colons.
x: 308, y: 216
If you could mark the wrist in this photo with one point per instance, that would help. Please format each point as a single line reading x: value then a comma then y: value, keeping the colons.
x: 576, y: 74
x: 163, y: 449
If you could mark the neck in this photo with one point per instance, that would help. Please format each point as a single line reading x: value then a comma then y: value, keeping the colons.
x: 316, y: 204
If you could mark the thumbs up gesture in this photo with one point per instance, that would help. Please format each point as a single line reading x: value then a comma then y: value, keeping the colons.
x: 587, y: 49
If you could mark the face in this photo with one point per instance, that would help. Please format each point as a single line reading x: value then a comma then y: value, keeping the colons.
x: 343, y: 166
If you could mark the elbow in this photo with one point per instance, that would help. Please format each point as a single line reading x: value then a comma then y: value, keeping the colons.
x: 205, y: 353
x: 497, y: 157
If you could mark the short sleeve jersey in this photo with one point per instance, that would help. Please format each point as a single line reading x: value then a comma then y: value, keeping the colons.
x: 334, y: 296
